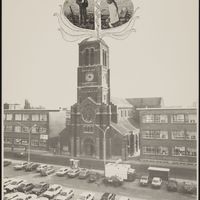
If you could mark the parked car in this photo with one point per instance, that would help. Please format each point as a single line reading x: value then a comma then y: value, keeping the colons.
x: 14, y: 185
x: 21, y: 166
x: 156, y: 182
x: 189, y: 187
x: 63, y: 171
x: 40, y: 167
x: 172, y: 185
x: 40, y: 188
x: 84, y: 173
x: 52, y: 191
x: 144, y: 180
x: 65, y: 194
x: 30, y: 197
x: 31, y: 166
x: 108, y: 196
x: 93, y: 176
x: 13, y: 195
x: 86, y: 196
x: 25, y: 187
x: 21, y: 154
x: 7, y: 181
x: 6, y: 163
x: 73, y: 173
x: 41, y: 198
x: 47, y: 171
x: 113, y: 180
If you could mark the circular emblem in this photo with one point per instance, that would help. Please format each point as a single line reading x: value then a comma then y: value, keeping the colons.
x: 89, y: 76
x: 88, y: 114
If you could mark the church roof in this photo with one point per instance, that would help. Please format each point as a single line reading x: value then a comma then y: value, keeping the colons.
x: 150, y: 102
x: 124, y: 127
x: 121, y: 102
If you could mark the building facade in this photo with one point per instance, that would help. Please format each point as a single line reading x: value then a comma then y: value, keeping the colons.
x: 18, y: 123
x: 168, y: 134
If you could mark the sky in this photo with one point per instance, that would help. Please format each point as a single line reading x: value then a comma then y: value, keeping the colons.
x: 159, y: 60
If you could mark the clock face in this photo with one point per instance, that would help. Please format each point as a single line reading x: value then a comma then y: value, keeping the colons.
x: 89, y: 76
x: 88, y: 114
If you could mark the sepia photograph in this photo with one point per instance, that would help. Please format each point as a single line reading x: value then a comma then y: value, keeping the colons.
x: 100, y: 100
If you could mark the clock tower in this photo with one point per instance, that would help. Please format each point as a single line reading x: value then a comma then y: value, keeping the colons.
x: 91, y: 115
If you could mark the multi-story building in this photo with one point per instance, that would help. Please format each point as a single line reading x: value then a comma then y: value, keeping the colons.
x: 42, y: 124
x: 168, y: 134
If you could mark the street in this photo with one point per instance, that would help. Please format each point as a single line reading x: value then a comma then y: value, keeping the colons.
x: 131, y: 189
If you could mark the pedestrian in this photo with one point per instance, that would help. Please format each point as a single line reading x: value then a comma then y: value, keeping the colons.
x: 113, y: 13
x: 83, y: 4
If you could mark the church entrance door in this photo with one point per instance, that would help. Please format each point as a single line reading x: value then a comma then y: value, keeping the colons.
x: 89, y: 147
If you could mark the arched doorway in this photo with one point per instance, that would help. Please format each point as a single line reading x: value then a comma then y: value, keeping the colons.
x: 89, y: 147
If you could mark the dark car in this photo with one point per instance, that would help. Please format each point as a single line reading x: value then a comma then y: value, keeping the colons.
x: 21, y: 154
x: 189, y: 187
x: 84, y: 173
x: 40, y: 188
x: 113, y: 180
x: 108, y: 196
x: 6, y: 163
x: 25, y: 187
x: 93, y: 176
x: 31, y: 166
x: 172, y: 185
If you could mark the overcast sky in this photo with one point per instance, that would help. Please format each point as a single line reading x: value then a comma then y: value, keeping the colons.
x: 159, y: 60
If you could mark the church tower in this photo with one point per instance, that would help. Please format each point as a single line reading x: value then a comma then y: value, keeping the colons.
x: 91, y: 115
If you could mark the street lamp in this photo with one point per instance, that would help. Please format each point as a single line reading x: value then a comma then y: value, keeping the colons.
x: 104, y: 142
x: 29, y: 138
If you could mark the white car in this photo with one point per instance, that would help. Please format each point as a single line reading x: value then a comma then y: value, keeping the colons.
x: 41, y: 167
x: 65, y: 194
x: 20, y: 166
x: 13, y: 196
x: 144, y: 180
x: 14, y: 184
x: 7, y: 181
x: 86, y: 196
x: 53, y: 191
x: 156, y: 182
x: 63, y: 171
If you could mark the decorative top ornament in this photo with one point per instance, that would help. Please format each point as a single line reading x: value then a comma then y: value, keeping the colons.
x: 80, y: 19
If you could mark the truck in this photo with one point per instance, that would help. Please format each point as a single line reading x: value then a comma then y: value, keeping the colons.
x: 123, y: 172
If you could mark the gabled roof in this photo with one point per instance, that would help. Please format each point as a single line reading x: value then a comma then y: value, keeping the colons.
x: 150, y: 102
x: 124, y: 127
x: 120, y: 102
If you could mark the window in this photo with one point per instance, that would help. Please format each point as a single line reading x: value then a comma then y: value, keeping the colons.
x: 34, y: 143
x: 34, y: 130
x: 87, y: 57
x: 152, y: 150
x: 92, y: 56
x: 17, y: 141
x: 160, y: 119
x: 18, y: 129
x: 89, y: 129
x: 121, y: 113
x: 178, y: 135
x: 155, y: 134
x: 191, y: 118
x: 178, y: 151
x: 147, y: 118
x: 179, y: 118
x: 7, y: 141
x: 43, y: 143
x: 43, y: 117
x: 18, y: 117
x: 24, y: 142
x: 35, y: 117
x: 42, y: 130
x: 25, y: 117
x: 191, y: 152
x: 8, y: 128
x: 25, y: 129
x: 9, y: 117
x: 191, y: 135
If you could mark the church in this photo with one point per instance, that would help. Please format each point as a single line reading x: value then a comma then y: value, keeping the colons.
x: 100, y: 126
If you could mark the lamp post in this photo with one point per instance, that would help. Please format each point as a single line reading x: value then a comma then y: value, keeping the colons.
x: 104, y: 142
x: 29, y: 138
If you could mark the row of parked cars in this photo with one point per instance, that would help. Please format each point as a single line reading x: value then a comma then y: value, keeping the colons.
x: 19, y: 189
x: 172, y: 184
